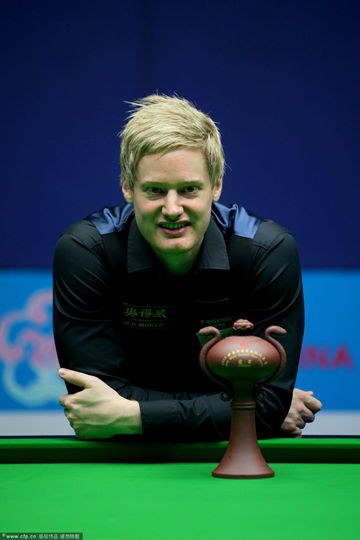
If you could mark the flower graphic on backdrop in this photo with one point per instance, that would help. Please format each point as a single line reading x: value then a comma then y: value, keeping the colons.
x: 27, y: 352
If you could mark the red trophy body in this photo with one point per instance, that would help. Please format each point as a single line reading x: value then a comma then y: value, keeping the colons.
x: 237, y: 363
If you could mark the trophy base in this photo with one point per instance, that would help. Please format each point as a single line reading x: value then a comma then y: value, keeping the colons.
x: 243, y: 476
x: 245, y: 467
x: 243, y: 457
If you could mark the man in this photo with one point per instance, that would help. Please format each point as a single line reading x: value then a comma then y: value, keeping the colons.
x: 134, y: 284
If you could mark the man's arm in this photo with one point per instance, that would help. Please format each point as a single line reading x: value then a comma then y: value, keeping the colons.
x: 276, y: 297
x: 96, y: 411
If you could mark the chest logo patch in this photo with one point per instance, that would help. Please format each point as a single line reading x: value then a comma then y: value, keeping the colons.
x: 145, y: 317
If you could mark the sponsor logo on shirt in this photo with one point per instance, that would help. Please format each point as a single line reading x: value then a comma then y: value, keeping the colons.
x: 145, y: 317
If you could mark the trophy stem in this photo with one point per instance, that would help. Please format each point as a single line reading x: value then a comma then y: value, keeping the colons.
x: 243, y: 457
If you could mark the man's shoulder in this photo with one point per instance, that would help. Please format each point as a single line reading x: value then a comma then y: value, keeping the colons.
x: 252, y: 241
x: 110, y: 219
x: 270, y: 233
x: 238, y: 223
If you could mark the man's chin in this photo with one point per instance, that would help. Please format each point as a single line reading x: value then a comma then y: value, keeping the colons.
x: 173, y: 246
x: 174, y: 249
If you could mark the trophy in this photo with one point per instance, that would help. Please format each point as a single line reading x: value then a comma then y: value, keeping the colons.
x: 236, y: 363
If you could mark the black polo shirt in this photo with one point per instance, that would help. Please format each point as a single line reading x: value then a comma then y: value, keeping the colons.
x: 134, y: 325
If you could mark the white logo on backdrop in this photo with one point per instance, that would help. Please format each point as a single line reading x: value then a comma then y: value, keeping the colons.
x: 27, y: 352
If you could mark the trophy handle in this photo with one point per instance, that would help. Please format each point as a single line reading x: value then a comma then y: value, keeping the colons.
x: 281, y: 331
x: 208, y: 331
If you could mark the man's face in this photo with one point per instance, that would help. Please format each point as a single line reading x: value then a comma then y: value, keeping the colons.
x: 172, y: 200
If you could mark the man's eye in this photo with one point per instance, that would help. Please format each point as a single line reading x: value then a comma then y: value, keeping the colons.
x: 154, y: 191
x: 190, y: 190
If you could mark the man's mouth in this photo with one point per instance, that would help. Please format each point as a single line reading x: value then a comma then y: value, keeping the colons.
x: 174, y: 226
x: 174, y: 229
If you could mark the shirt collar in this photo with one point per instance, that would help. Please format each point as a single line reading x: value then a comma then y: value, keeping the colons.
x: 139, y: 254
x: 213, y: 253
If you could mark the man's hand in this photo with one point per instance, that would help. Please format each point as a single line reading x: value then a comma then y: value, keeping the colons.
x: 302, y: 410
x: 97, y: 411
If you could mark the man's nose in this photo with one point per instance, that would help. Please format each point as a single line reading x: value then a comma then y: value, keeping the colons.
x: 172, y: 207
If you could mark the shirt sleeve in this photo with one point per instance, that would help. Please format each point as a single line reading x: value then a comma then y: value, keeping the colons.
x: 276, y: 298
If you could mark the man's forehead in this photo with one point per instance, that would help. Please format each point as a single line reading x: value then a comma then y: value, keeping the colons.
x: 185, y: 164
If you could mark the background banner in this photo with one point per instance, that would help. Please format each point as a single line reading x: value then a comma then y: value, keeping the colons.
x: 28, y: 363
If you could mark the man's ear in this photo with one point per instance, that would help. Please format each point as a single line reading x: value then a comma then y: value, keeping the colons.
x: 127, y: 192
x: 216, y: 191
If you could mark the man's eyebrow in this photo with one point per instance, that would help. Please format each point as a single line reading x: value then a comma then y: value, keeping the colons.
x: 151, y: 182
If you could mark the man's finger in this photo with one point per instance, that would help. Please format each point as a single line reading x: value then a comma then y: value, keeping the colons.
x: 313, y: 404
x: 307, y: 415
x: 293, y: 431
x: 62, y: 400
x: 76, y: 377
x: 307, y: 397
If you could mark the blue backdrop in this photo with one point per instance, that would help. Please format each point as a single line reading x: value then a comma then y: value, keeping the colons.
x: 280, y: 78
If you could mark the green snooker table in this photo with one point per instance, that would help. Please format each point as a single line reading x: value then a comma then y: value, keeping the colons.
x: 132, y: 490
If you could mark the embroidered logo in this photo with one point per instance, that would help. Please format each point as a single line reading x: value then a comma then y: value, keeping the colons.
x: 145, y: 317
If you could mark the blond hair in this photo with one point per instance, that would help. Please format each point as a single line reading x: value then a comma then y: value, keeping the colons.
x: 159, y: 124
